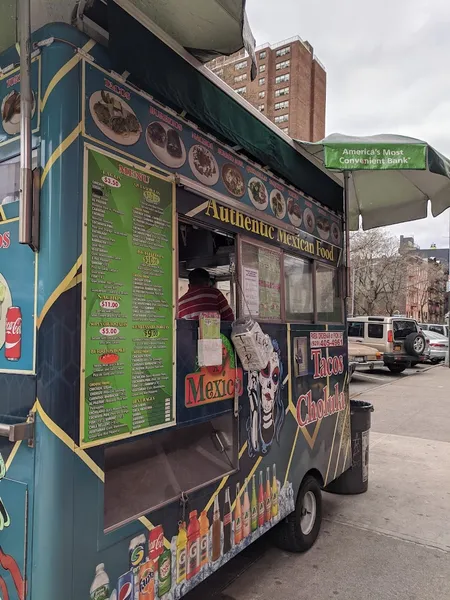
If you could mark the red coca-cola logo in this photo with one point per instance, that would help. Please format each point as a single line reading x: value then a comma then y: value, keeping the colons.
x: 14, y: 328
x: 156, y: 542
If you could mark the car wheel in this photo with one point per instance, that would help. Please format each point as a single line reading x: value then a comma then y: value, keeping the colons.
x: 396, y: 368
x: 415, y: 344
x: 414, y: 363
x: 299, y: 530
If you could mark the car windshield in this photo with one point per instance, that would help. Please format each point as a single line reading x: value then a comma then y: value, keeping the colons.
x: 403, y: 328
x: 437, y: 328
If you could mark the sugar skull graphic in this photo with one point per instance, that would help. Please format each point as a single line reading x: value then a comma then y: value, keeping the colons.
x: 266, y: 404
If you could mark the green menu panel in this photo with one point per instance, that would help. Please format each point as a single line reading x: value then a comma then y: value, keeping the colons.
x: 127, y: 382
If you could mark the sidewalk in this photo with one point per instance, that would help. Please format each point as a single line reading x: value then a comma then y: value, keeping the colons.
x: 393, y: 541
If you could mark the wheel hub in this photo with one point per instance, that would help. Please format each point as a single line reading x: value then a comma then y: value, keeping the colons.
x: 308, y: 513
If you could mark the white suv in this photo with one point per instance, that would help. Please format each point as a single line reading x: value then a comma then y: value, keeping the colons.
x: 398, y: 338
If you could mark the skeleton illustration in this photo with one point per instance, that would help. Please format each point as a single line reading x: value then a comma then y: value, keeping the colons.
x: 266, y: 404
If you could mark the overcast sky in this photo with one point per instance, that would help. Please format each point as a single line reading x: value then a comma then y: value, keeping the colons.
x: 387, y: 70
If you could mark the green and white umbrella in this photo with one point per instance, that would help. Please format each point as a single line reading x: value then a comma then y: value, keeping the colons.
x: 388, y: 179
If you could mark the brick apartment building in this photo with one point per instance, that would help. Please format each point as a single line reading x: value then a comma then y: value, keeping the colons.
x: 290, y: 87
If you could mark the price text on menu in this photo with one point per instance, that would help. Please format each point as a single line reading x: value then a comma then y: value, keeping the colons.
x: 128, y: 383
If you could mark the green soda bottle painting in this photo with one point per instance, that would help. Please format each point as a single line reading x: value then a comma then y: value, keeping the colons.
x: 100, y: 586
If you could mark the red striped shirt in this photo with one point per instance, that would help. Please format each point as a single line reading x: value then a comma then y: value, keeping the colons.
x: 200, y: 299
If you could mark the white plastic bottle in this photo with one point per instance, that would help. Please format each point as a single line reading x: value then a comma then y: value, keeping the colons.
x: 100, y: 585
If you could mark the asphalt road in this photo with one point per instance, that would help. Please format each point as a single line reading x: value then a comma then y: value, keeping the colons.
x: 390, y: 543
x: 365, y: 379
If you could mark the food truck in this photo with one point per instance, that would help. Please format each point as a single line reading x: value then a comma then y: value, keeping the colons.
x: 131, y: 467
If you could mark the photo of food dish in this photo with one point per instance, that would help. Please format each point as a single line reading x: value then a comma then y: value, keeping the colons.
x: 166, y: 144
x: 258, y: 193
x: 5, y: 304
x: 115, y: 119
x: 335, y: 234
x: 11, y: 112
x: 294, y: 212
x: 233, y: 180
x: 203, y: 165
x: 278, y: 204
x: 309, y: 220
x: 323, y: 227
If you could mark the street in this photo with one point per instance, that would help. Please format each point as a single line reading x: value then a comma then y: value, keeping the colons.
x: 393, y: 541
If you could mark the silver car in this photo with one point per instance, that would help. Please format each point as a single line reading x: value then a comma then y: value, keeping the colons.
x: 438, y: 346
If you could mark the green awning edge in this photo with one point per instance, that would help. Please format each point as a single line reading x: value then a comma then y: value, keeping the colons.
x: 161, y: 72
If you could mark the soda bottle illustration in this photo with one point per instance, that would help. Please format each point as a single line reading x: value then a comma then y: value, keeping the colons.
x: 193, y: 545
x: 268, y: 497
x: 237, y: 517
x: 13, y: 333
x: 274, y: 492
x: 216, y: 550
x: 246, y: 514
x: 100, y: 586
x: 227, y: 518
x: 181, y: 553
x: 204, y: 530
x: 146, y: 581
x: 261, y: 505
x: 164, y: 572
x: 254, y: 506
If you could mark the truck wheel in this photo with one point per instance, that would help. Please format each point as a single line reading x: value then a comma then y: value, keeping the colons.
x: 396, y: 368
x: 299, y: 530
x: 415, y: 344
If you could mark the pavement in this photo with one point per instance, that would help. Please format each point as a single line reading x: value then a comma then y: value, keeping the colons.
x: 392, y: 542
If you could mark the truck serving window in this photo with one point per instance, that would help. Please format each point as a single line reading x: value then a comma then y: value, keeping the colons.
x: 298, y: 280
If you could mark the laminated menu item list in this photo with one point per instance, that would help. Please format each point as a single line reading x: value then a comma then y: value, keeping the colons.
x: 127, y: 383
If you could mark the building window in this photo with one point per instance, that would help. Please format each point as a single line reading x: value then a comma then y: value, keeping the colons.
x: 283, y: 51
x: 280, y: 105
x: 261, y: 107
x: 282, y: 78
x: 284, y: 64
x: 281, y: 92
x: 240, y: 78
x: 261, y: 95
x: 242, y: 90
x: 281, y: 119
x: 240, y: 65
x: 262, y: 68
x: 262, y: 55
x: 262, y: 81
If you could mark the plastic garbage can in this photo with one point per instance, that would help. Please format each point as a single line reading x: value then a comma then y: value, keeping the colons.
x: 356, y: 479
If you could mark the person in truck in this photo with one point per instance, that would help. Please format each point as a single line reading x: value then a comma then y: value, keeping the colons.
x: 202, y: 297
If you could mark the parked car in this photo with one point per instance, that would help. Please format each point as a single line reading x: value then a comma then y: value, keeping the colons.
x: 361, y: 355
x: 399, y: 339
x: 438, y: 345
x: 442, y: 329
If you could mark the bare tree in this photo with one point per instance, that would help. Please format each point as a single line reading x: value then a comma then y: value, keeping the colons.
x: 379, y: 273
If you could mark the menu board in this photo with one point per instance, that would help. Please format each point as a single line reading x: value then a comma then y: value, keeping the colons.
x: 117, y: 115
x: 127, y: 384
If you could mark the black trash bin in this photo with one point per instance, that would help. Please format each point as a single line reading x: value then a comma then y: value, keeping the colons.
x: 356, y: 479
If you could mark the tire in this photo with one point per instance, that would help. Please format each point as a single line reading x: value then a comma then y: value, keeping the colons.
x: 415, y: 344
x: 293, y: 535
x: 396, y: 368
x: 414, y: 363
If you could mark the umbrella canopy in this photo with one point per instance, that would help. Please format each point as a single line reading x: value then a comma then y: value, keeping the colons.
x: 391, y: 177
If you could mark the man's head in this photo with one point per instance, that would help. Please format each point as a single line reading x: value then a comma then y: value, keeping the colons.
x: 199, y: 277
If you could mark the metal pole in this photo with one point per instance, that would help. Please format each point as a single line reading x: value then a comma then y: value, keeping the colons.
x: 26, y: 99
x: 347, y: 231
x: 448, y: 293
x: 353, y: 292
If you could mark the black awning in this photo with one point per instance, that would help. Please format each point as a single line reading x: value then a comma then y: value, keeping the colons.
x: 161, y: 72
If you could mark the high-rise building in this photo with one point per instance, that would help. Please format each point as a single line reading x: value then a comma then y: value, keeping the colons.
x: 290, y: 86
